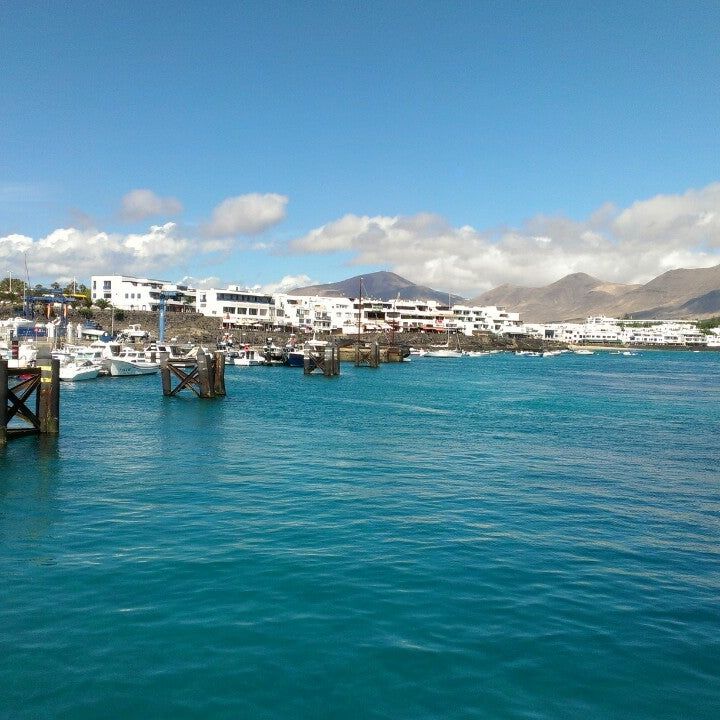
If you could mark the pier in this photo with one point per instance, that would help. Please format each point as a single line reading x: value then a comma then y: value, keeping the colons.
x: 322, y: 359
x: 38, y: 415
x: 205, y: 376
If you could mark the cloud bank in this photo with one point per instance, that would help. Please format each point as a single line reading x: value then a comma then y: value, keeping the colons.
x: 632, y: 244
x: 69, y: 252
x: 627, y: 245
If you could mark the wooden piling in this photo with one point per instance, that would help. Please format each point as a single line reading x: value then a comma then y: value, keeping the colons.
x: 325, y: 359
x: 367, y: 356
x: 48, y: 396
x: 3, y: 401
x: 165, y: 376
x: 219, y: 381
x: 205, y: 377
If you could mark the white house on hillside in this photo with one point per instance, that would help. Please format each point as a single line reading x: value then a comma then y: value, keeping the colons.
x: 132, y: 293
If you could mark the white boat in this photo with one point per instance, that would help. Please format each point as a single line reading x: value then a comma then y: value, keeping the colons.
x: 584, y: 352
x: 76, y: 370
x: 247, y: 357
x: 131, y: 362
x: 443, y: 353
x: 172, y: 352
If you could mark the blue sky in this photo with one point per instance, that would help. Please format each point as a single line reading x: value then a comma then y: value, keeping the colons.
x: 461, y: 144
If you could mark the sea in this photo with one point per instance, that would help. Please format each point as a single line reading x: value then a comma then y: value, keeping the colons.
x: 481, y: 537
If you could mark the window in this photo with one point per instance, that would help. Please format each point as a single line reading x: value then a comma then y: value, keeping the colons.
x: 107, y: 285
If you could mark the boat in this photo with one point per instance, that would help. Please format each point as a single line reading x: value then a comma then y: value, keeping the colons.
x: 76, y: 370
x: 443, y: 353
x: 272, y: 353
x: 247, y: 357
x: 156, y: 351
x: 131, y: 362
x: 584, y: 352
x: 295, y: 356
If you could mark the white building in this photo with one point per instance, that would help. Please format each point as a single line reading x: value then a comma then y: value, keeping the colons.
x: 237, y: 307
x: 132, y: 293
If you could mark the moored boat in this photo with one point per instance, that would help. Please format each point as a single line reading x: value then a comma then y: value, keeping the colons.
x: 131, y: 362
x: 76, y: 370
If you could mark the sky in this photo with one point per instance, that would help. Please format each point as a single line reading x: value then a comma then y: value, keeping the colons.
x: 460, y: 144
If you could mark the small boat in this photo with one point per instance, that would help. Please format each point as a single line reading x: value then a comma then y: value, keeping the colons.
x: 582, y: 351
x: 247, y: 357
x: 131, y: 362
x: 443, y: 353
x: 76, y: 370
x: 295, y: 356
x: 272, y: 353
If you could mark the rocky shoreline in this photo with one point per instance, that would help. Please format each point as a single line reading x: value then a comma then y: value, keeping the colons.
x: 194, y: 328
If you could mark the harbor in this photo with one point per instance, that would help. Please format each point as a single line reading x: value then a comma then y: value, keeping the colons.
x: 449, y: 513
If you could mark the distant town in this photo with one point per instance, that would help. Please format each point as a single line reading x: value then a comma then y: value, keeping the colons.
x: 241, y: 308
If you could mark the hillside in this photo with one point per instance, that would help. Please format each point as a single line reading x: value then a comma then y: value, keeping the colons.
x: 379, y: 285
x: 683, y: 293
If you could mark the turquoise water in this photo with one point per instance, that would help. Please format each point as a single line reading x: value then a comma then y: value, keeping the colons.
x: 495, y: 537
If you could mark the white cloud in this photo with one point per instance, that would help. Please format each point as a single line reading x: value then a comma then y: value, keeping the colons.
x: 212, y: 281
x: 68, y: 252
x: 141, y: 204
x: 288, y: 283
x: 246, y: 214
x: 628, y: 245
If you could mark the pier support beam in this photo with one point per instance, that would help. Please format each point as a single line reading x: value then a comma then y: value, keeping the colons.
x: 205, y: 377
x: 367, y: 356
x: 3, y: 401
x: 325, y: 360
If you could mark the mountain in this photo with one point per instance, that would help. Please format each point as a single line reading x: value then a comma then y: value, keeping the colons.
x: 380, y: 286
x: 574, y: 296
x: 676, y: 294
x: 683, y: 293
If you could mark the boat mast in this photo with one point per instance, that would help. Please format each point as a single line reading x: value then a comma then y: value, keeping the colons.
x: 359, y: 328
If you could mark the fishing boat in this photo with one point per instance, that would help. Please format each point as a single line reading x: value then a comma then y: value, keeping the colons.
x: 131, y: 362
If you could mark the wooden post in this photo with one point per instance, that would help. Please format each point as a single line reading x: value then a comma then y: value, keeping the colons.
x: 165, y: 375
x: 219, y: 384
x: 331, y: 366
x: 3, y: 401
x: 204, y: 375
x: 48, y: 396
